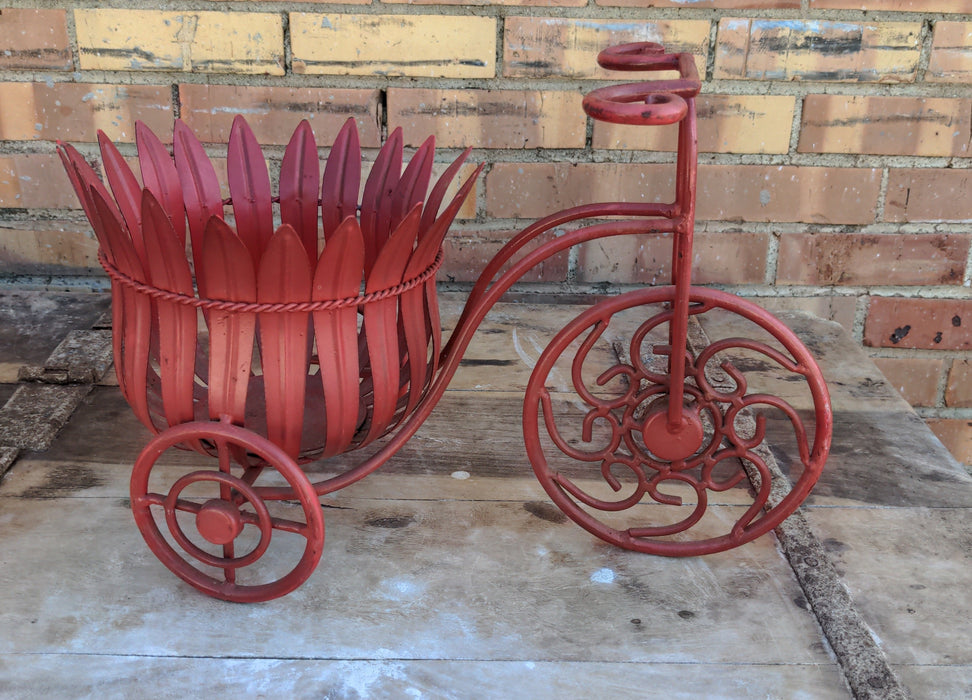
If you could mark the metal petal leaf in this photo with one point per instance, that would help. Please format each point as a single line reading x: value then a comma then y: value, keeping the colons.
x: 299, y: 183
x: 168, y: 269
x: 376, y: 199
x: 126, y: 189
x: 249, y: 184
x: 342, y: 178
x: 200, y: 188
x: 228, y: 270
x: 381, y: 322
x: 338, y: 276
x: 131, y: 312
x: 414, y: 184
x: 285, y: 276
x: 160, y: 177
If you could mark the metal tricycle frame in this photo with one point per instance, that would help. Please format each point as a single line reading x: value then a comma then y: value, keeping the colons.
x: 679, y: 425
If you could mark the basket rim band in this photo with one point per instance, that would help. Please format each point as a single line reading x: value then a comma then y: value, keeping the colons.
x: 159, y: 294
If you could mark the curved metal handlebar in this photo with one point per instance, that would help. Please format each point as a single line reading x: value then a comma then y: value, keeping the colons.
x: 655, y: 102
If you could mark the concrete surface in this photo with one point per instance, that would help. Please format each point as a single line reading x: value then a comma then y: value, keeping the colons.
x: 449, y: 574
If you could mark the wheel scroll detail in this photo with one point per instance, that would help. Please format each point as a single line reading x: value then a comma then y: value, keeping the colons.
x: 235, y: 515
x: 637, y: 479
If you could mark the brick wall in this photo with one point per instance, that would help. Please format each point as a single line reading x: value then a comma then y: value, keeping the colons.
x: 835, y: 135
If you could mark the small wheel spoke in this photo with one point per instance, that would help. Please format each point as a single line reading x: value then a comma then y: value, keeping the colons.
x: 223, y: 452
x: 229, y: 552
x: 153, y: 499
x: 187, y: 506
x: 286, y: 525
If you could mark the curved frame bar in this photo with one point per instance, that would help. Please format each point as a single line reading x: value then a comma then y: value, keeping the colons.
x: 676, y: 217
x: 473, y: 314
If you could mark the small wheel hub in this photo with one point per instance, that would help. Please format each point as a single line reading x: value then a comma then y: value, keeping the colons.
x: 670, y: 442
x: 219, y: 521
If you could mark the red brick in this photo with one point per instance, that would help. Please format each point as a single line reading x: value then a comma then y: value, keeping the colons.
x: 961, y: 6
x: 909, y: 126
x: 788, y: 193
x: 468, y: 251
x: 951, y: 53
x: 725, y: 192
x: 935, y: 324
x: 274, y: 112
x: 35, y: 180
x: 929, y: 194
x: 727, y: 124
x: 707, y: 4
x: 958, y: 392
x: 956, y: 435
x: 915, y: 378
x: 34, y: 39
x: 533, y: 190
x: 489, y: 118
x: 535, y: 47
x: 75, y: 111
x: 797, y: 49
x: 869, y: 259
x: 717, y: 258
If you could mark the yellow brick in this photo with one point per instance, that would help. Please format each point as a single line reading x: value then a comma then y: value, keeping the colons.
x: 489, y: 118
x: 727, y: 124
x: 206, y: 42
x: 765, y: 49
x: 568, y: 47
x: 31, y: 246
x: 434, y: 46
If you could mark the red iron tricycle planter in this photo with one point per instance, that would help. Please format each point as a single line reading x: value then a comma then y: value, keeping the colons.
x: 281, y: 354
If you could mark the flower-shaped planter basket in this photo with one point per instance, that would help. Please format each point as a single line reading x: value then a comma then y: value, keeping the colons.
x: 281, y: 353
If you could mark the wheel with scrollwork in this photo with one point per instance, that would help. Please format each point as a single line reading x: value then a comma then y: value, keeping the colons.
x: 601, y: 438
x: 198, y: 524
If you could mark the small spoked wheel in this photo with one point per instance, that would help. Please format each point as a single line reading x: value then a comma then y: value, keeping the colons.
x: 211, y: 526
x: 616, y: 458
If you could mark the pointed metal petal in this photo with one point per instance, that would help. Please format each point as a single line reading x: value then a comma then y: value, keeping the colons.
x: 249, y: 184
x: 200, y: 188
x: 299, y: 183
x: 160, y: 177
x: 126, y: 189
x: 342, y: 178
x: 168, y: 269
x: 376, y: 199
x: 338, y: 276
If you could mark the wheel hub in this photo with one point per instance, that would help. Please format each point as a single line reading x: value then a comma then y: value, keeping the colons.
x: 670, y: 442
x: 219, y: 521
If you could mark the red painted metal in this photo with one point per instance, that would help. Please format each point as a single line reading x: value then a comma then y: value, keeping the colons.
x: 319, y: 339
x: 705, y: 451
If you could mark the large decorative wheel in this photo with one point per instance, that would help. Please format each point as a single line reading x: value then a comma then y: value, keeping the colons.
x: 197, y: 526
x: 600, y: 435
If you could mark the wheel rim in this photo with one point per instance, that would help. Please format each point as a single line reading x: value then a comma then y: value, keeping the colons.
x: 221, y: 520
x: 692, y: 462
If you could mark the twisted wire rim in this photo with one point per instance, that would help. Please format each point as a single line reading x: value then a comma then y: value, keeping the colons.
x: 277, y: 307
